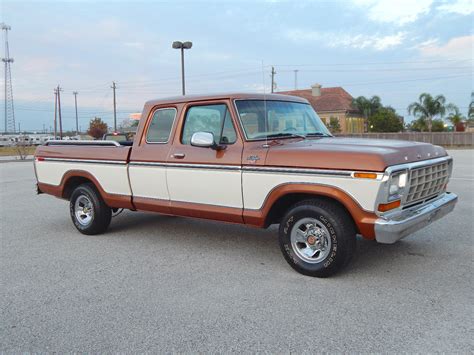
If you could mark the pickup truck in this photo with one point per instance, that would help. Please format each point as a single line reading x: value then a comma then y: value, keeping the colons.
x: 257, y: 160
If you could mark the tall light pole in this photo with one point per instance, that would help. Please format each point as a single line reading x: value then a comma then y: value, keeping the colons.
x: 182, y: 46
x: 75, y: 104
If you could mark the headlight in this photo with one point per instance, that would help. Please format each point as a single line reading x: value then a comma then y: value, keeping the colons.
x: 398, y: 182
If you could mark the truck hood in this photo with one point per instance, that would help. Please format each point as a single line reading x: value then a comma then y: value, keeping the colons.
x: 349, y: 153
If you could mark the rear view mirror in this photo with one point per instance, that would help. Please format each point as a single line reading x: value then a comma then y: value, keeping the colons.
x: 202, y: 139
x: 206, y: 140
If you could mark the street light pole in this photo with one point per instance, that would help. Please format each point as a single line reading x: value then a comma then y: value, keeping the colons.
x: 183, y: 86
x: 182, y: 46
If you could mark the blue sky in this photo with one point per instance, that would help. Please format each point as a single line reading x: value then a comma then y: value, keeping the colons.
x: 394, y: 49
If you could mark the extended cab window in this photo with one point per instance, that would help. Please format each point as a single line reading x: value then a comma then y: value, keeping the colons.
x: 160, y: 126
x: 210, y: 118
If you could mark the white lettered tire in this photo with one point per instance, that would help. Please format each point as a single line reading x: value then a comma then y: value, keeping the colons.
x: 317, y: 237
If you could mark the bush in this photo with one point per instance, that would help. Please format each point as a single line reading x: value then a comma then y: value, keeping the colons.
x: 97, y: 128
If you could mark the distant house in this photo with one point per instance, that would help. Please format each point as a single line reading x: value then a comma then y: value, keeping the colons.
x: 333, y: 102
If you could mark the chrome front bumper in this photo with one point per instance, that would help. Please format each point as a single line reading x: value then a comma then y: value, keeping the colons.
x: 397, y: 225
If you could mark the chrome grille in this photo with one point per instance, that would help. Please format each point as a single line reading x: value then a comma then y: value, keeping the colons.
x: 427, y: 181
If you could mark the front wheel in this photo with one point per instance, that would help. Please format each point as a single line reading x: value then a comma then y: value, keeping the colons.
x: 88, y: 210
x: 317, y: 238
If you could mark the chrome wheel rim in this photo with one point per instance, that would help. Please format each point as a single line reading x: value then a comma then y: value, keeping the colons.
x: 83, y: 210
x: 310, y: 240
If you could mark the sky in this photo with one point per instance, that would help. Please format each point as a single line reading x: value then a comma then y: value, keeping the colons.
x: 394, y: 49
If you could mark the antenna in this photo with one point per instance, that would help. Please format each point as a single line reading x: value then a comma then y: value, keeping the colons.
x: 9, y: 108
x: 265, y: 107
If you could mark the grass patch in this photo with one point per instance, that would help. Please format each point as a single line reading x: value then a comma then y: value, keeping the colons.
x: 12, y: 151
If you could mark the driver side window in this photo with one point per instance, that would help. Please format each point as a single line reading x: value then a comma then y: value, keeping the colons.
x: 210, y: 118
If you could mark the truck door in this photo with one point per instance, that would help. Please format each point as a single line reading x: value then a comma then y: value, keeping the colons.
x: 206, y: 182
x: 147, y: 167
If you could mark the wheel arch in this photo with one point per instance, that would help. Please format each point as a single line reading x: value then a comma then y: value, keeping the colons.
x: 73, y: 178
x: 282, y: 197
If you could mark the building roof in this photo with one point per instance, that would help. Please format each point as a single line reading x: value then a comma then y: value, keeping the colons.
x: 331, y: 99
x: 237, y: 96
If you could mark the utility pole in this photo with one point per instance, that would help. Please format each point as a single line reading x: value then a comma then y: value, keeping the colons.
x: 19, y: 127
x: 77, y: 120
x: 59, y: 113
x: 273, y: 79
x: 115, y: 106
x: 55, y: 113
x: 296, y: 78
x: 9, y: 108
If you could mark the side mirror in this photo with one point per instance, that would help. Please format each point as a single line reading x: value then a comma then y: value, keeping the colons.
x: 202, y: 139
x: 205, y: 140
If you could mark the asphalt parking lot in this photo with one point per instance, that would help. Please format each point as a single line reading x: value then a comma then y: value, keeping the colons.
x: 157, y: 283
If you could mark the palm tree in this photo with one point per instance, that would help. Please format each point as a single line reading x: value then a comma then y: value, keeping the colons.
x: 428, y: 107
x: 368, y: 107
x: 455, y: 117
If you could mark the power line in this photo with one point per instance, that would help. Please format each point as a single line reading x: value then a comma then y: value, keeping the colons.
x: 374, y: 63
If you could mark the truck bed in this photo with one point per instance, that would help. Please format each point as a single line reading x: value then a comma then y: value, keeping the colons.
x: 103, y: 162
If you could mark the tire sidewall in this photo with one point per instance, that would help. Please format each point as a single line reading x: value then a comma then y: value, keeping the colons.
x: 83, y: 191
x: 332, y: 261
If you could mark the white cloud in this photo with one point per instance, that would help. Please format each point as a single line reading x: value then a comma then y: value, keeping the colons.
x: 359, y: 41
x: 135, y: 45
x: 461, y: 7
x: 459, y: 48
x: 398, y: 12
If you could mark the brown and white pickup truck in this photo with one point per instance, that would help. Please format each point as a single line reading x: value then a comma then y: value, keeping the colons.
x: 257, y: 160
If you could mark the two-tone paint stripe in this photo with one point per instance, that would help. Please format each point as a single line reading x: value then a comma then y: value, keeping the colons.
x: 87, y: 161
x: 245, y: 168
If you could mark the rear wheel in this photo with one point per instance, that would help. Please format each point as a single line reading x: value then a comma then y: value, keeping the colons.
x: 88, y: 210
x: 317, y: 238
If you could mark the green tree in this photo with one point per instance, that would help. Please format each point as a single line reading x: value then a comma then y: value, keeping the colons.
x: 427, y: 108
x: 418, y: 125
x: 385, y: 120
x: 455, y: 117
x: 438, y: 125
x: 97, y: 128
x: 368, y: 106
x: 470, y: 113
x: 334, y: 125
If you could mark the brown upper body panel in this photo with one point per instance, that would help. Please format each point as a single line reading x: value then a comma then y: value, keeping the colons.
x: 84, y: 152
x: 348, y: 153
x: 323, y: 153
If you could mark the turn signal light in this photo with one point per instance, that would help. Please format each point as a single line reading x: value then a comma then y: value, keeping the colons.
x: 365, y: 175
x: 384, y: 207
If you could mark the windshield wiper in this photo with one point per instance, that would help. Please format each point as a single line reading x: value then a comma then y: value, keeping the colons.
x: 318, y: 134
x: 284, y: 134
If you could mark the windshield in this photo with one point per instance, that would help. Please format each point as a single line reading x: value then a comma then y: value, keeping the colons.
x: 271, y: 119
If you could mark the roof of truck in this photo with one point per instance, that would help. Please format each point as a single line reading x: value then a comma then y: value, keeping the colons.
x: 239, y: 96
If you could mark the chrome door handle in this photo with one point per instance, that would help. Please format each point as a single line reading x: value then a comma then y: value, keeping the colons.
x: 178, y: 155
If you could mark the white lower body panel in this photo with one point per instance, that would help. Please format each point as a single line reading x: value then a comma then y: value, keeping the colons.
x: 113, y: 178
